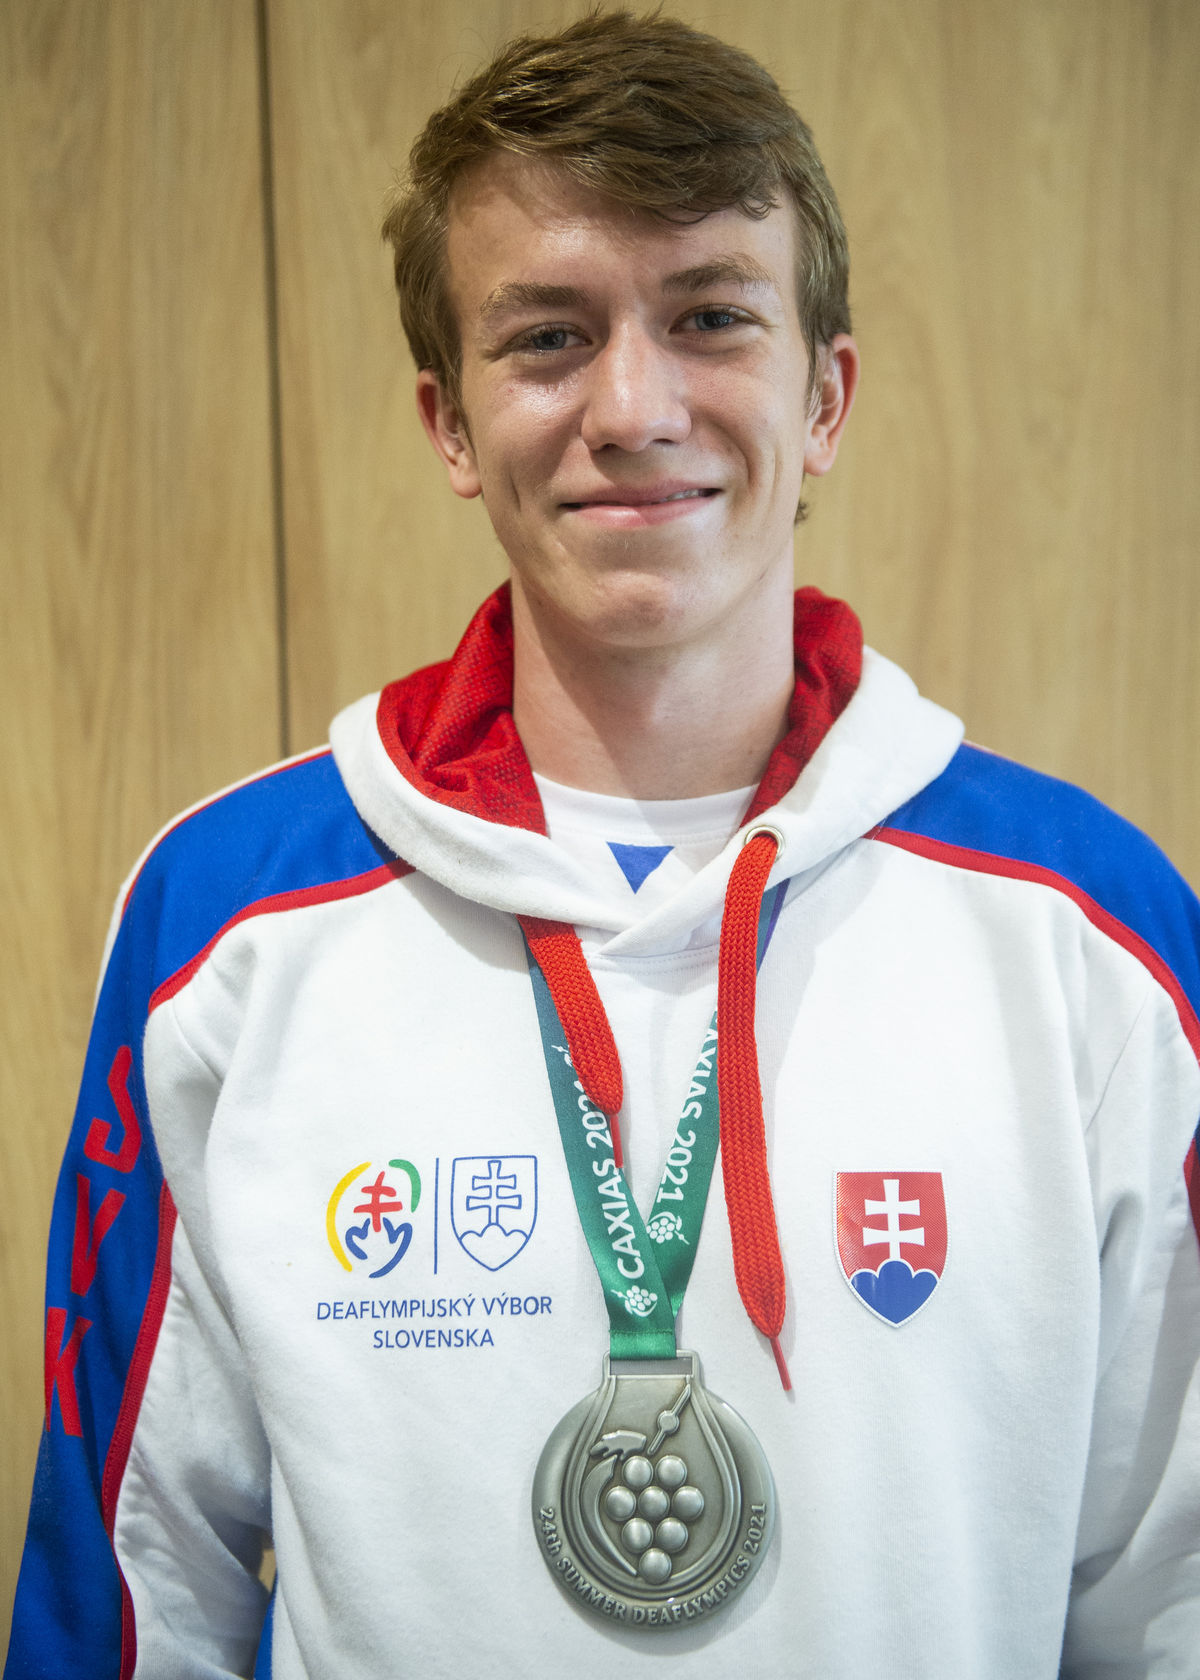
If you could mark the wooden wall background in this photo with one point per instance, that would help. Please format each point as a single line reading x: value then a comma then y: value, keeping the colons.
x: 219, y: 522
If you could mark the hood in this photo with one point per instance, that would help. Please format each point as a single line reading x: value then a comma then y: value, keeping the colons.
x: 436, y: 769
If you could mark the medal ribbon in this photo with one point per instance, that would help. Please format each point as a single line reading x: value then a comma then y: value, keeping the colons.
x: 643, y: 1266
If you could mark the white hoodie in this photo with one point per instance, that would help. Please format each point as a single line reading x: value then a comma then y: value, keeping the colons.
x: 269, y: 1312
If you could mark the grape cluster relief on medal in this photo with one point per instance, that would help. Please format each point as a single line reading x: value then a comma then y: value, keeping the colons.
x: 653, y: 1503
x: 646, y: 1496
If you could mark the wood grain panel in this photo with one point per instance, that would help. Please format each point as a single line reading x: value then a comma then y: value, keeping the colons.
x: 1016, y: 511
x: 137, y: 638
x: 384, y: 565
x: 1025, y: 227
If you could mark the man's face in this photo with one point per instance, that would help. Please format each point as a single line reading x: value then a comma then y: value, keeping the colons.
x: 635, y: 408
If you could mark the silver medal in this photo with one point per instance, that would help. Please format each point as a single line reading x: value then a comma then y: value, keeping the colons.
x: 652, y: 1500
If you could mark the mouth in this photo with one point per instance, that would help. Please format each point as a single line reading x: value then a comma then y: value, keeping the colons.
x: 614, y: 498
x: 630, y: 510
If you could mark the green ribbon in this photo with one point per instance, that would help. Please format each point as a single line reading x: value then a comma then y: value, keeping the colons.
x: 643, y: 1266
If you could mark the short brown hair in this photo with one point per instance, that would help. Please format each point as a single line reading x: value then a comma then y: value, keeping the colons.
x: 646, y: 110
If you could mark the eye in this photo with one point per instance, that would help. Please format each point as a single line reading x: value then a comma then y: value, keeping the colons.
x: 545, y: 341
x: 714, y: 318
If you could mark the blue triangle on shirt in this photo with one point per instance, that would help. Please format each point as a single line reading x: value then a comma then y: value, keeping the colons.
x: 638, y: 861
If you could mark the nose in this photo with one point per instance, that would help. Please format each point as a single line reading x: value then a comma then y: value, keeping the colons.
x: 634, y: 395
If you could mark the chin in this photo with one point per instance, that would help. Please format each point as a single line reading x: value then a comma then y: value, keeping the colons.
x: 640, y: 610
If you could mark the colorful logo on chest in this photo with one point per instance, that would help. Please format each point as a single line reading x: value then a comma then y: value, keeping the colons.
x: 891, y: 1239
x: 365, y: 1218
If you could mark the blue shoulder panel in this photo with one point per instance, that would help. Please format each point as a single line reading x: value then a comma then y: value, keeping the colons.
x: 291, y: 829
x: 989, y: 804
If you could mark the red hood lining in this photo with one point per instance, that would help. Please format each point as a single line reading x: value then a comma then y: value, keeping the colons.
x: 449, y: 728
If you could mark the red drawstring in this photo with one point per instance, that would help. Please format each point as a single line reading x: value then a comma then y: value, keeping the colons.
x: 559, y: 955
x: 757, y: 1264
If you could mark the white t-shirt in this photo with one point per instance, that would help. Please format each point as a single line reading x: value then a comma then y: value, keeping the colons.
x: 639, y: 852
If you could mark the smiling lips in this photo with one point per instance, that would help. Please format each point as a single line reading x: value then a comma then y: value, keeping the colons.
x: 652, y: 506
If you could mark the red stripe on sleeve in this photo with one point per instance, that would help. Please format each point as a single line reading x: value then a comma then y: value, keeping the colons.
x: 131, y: 1401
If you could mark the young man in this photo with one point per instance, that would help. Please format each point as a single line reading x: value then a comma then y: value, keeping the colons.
x: 395, y: 1043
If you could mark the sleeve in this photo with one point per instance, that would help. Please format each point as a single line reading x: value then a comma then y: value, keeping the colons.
x: 1134, y: 1611
x: 1135, y: 1600
x: 150, y: 1498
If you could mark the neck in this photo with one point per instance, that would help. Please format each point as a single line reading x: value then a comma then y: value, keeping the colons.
x: 659, y: 723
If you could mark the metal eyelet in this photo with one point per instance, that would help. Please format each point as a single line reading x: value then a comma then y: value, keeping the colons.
x: 763, y: 828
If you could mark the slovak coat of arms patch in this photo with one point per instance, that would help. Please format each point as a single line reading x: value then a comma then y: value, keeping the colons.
x: 493, y: 1206
x: 891, y: 1239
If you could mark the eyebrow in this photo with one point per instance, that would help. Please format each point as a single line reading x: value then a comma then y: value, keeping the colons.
x: 737, y: 269
x: 528, y: 294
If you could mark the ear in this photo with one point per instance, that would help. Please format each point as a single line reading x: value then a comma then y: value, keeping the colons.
x: 447, y: 430
x: 834, y: 399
